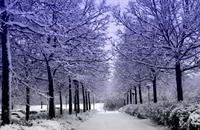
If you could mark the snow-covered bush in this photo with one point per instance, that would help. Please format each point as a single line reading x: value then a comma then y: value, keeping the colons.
x: 178, y: 116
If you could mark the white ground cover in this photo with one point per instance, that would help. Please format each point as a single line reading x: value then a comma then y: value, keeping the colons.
x: 118, y: 121
x: 66, y: 122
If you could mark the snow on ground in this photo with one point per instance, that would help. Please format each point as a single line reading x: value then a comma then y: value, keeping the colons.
x: 117, y: 121
x: 97, y: 106
x: 66, y: 122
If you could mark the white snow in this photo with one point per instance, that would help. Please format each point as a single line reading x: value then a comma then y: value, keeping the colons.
x: 118, y: 121
x: 66, y: 122
x: 97, y: 106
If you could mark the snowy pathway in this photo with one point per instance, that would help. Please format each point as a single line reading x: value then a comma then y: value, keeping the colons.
x: 117, y: 121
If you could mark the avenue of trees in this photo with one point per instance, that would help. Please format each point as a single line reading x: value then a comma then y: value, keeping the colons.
x: 51, y: 47
x: 159, y: 39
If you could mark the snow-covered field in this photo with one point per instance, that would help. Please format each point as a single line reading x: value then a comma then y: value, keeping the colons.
x: 117, y: 121
x: 66, y: 122
x: 97, y: 106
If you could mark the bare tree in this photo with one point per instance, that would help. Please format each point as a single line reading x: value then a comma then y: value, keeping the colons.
x: 160, y: 29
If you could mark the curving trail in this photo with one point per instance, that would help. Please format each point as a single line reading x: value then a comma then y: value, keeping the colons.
x: 117, y: 121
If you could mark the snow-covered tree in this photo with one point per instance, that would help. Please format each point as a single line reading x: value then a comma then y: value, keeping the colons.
x: 168, y: 29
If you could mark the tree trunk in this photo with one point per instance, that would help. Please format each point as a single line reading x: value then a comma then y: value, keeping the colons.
x: 61, y: 108
x: 83, y: 93
x: 127, y: 99
x: 140, y: 93
x: 135, y: 95
x: 89, y: 103
x: 131, y: 101
x: 76, y: 83
x: 75, y: 103
x: 27, y: 103
x: 41, y: 104
x: 154, y: 90
x: 86, y: 100
x: 12, y: 106
x: 70, y: 97
x: 51, y: 92
x: 6, y: 66
x: 124, y: 102
x: 179, y: 82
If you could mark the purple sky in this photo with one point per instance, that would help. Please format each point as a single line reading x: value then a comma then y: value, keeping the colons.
x: 112, y: 29
x: 121, y: 2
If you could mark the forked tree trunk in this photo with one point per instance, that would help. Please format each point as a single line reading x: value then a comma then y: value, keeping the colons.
x: 61, y: 108
x: 140, y: 93
x: 6, y: 65
x: 179, y: 81
x: 70, y: 97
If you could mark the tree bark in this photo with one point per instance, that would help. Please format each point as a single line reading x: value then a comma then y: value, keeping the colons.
x: 89, y: 103
x: 135, y: 95
x: 131, y: 101
x: 179, y: 81
x: 83, y: 93
x: 61, y: 108
x: 154, y: 90
x: 27, y: 103
x: 75, y: 103
x: 86, y: 100
x: 6, y: 66
x: 127, y: 97
x: 76, y: 83
x: 140, y: 93
x: 70, y: 96
x: 51, y: 92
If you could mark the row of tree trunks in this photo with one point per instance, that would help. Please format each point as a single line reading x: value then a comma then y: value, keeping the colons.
x: 85, y: 94
x: 129, y: 97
